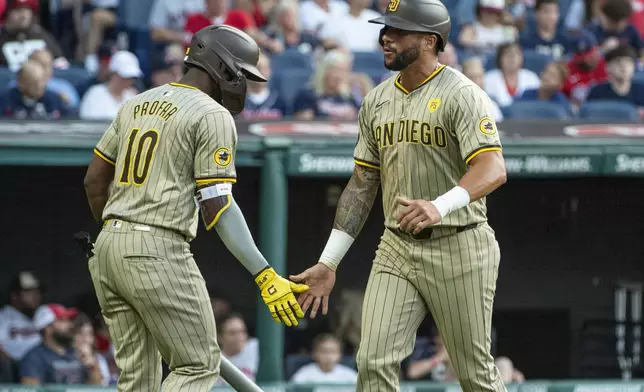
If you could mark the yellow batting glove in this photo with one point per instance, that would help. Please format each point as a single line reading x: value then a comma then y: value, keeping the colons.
x: 277, y: 294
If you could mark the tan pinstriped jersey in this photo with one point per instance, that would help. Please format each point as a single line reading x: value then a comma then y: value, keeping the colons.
x: 423, y: 140
x: 163, y: 142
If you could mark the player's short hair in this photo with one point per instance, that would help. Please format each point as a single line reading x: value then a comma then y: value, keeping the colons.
x: 323, y: 338
x: 622, y: 50
x: 540, y: 3
x: 617, y: 10
x: 500, y: 51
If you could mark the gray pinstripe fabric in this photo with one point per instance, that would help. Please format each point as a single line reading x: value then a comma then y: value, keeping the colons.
x: 163, y: 143
x: 155, y: 303
x: 186, y: 151
x: 422, y: 142
x: 422, y: 152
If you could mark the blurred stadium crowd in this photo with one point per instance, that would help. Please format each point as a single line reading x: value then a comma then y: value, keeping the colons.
x: 51, y: 344
x: 535, y: 58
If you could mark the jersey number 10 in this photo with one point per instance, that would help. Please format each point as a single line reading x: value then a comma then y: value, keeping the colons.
x: 142, y: 146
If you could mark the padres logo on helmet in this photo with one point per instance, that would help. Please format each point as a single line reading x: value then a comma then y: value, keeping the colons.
x: 393, y: 5
x: 223, y: 157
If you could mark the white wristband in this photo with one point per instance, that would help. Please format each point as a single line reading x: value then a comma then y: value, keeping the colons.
x: 451, y: 201
x: 335, y: 249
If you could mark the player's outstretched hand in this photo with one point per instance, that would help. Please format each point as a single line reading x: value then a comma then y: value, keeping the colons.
x: 417, y: 215
x: 277, y: 294
x: 320, y: 280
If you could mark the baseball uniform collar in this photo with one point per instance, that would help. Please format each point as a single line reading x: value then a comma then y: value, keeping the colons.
x: 430, y: 77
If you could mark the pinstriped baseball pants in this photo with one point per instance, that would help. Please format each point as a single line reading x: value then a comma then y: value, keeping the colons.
x: 155, y: 303
x: 452, y: 277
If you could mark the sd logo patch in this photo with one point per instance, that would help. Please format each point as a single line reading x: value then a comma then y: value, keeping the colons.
x: 223, y: 157
x: 393, y: 5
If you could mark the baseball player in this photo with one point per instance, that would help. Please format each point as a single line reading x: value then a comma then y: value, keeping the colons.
x: 428, y: 138
x: 165, y: 145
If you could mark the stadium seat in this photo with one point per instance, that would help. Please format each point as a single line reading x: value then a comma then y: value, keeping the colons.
x: 291, y: 81
x: 6, y: 76
x: 609, y: 111
x: 77, y: 76
x: 368, y: 61
x: 292, y: 59
x: 533, y: 61
x: 536, y: 110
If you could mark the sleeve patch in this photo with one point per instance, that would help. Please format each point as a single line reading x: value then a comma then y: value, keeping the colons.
x: 223, y: 157
x: 487, y: 126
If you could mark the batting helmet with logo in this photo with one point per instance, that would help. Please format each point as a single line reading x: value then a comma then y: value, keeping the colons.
x: 230, y: 57
x: 429, y: 16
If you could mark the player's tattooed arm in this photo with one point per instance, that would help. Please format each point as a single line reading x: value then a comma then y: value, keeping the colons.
x: 356, y: 200
x: 100, y: 174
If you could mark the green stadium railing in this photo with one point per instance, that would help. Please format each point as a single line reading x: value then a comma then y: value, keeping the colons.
x: 531, y: 386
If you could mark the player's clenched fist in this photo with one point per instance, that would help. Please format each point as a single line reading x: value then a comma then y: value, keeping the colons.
x: 417, y: 215
x: 277, y: 294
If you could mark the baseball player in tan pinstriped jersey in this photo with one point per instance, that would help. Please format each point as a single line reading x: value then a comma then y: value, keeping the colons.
x: 165, y: 145
x: 426, y: 136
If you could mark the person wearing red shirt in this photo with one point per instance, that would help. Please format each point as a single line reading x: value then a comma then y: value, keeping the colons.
x: 217, y: 13
x: 586, y: 68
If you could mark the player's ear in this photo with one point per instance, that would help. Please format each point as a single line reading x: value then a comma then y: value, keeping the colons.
x: 429, y: 42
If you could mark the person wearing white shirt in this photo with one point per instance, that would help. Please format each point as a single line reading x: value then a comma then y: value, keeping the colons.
x: 510, y: 79
x: 237, y: 347
x: 314, y: 14
x: 474, y: 70
x: 353, y: 30
x: 326, y: 368
x: 487, y: 32
x: 102, y: 101
x: 18, y: 334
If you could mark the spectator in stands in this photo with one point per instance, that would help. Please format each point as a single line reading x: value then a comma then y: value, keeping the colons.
x: 475, y: 71
x: 6, y: 371
x: 330, y: 96
x: 18, y: 334
x: 102, y: 101
x: 285, y: 27
x: 30, y: 99
x: 585, y: 69
x: 103, y: 73
x: 55, y: 361
x: 168, y: 19
x: 315, y: 14
x: 165, y: 71
x: 352, y: 30
x: 486, y: 34
x: 21, y: 36
x: 237, y: 347
x: 326, y: 368
x: 84, y: 343
x: 510, y: 79
x: 262, y: 11
x: 220, y: 304
x: 546, y: 38
x: 429, y: 360
x: 552, y: 80
x: 102, y: 17
x: 261, y: 101
x: 581, y: 14
x: 620, y: 64
x: 613, y: 27
x: 449, y: 56
x: 58, y: 86
x: 346, y: 321
x: 241, y: 17
x: 515, y: 13
x: 509, y: 373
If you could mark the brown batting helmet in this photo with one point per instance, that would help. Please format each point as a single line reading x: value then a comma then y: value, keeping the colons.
x: 429, y: 16
x: 230, y: 57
